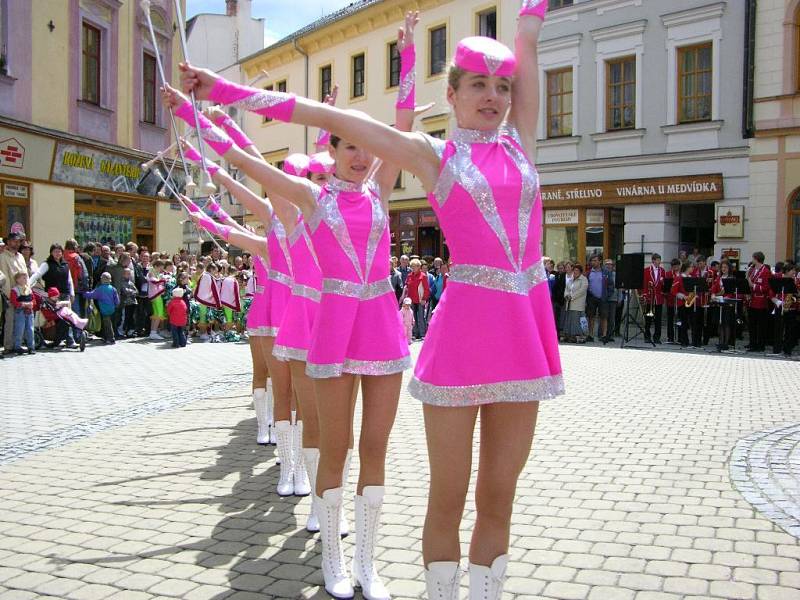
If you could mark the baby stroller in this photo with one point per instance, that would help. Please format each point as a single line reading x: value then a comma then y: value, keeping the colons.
x: 58, y: 319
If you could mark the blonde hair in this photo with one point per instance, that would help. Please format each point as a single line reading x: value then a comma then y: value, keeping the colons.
x: 415, y: 262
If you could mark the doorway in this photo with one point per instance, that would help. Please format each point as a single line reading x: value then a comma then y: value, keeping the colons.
x: 697, y: 228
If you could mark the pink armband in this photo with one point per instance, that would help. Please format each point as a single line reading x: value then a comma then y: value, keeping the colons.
x: 274, y: 105
x: 233, y: 130
x: 218, y: 212
x: 533, y: 8
x: 406, y: 93
x: 212, y: 135
x: 323, y: 138
x: 191, y: 206
x: 210, y: 226
x: 194, y: 156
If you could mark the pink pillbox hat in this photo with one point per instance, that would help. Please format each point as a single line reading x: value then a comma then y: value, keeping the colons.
x: 486, y: 56
x: 321, y: 162
x: 296, y: 164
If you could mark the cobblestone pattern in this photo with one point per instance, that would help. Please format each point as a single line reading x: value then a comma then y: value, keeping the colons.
x: 765, y: 468
x: 627, y: 495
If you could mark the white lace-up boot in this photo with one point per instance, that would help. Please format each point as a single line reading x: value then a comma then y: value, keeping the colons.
x: 486, y: 583
x: 273, y: 440
x: 302, y: 487
x: 337, y: 581
x: 443, y: 580
x: 344, y: 526
x: 368, y: 514
x: 311, y: 457
x: 260, y: 404
x: 283, y: 432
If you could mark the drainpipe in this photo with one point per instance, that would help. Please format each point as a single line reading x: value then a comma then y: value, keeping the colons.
x: 748, y: 128
x: 305, y: 56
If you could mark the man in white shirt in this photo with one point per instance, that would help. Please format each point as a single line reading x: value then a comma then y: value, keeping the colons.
x: 11, y: 263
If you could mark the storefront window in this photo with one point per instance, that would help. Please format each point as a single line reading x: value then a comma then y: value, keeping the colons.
x: 14, y: 206
x: 111, y: 220
x: 561, y: 243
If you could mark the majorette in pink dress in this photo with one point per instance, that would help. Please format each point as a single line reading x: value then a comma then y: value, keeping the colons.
x: 488, y: 202
x: 294, y: 337
x: 278, y: 286
x: 257, y: 316
x: 357, y: 328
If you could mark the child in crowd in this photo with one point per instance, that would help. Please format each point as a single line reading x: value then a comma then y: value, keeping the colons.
x: 155, y: 292
x: 23, y: 302
x: 128, y: 297
x: 408, y: 319
x: 178, y: 318
x: 107, y: 300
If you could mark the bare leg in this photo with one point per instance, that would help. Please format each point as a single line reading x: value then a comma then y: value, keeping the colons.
x: 449, y: 433
x: 335, y: 410
x: 260, y: 371
x: 281, y: 380
x: 381, y: 395
x: 506, y: 439
x: 306, y: 403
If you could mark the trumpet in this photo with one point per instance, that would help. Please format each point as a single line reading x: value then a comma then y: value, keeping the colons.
x: 788, y: 303
x: 650, y: 302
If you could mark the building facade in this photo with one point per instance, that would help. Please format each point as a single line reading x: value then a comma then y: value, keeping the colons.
x: 775, y: 158
x: 79, y: 112
x: 642, y: 146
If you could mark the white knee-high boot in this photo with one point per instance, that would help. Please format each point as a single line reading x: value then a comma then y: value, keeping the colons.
x: 260, y: 405
x: 273, y: 440
x: 443, y: 580
x: 486, y: 583
x: 302, y: 487
x: 337, y: 581
x: 283, y: 432
x: 311, y: 457
x: 368, y: 514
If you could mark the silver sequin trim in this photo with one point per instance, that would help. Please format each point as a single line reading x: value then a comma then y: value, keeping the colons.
x: 280, y: 277
x: 280, y: 234
x: 285, y: 353
x: 304, y: 291
x: 352, y: 289
x: 492, y: 63
x: 264, y: 99
x: 334, y: 184
x: 328, y: 211
x: 529, y: 188
x: 406, y: 86
x: 543, y: 388
x: 263, y: 331
x: 216, y: 135
x: 380, y: 225
x: 475, y: 136
x: 358, y: 367
x: 259, y: 289
x: 296, y: 234
x: 515, y: 282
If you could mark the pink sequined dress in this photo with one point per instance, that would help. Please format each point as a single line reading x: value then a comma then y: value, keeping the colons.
x: 294, y: 337
x: 489, y: 205
x: 279, y: 276
x: 358, y: 327
x: 257, y: 316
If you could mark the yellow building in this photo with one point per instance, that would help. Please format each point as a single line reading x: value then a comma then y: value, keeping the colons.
x: 79, y: 112
x: 354, y: 49
x: 775, y: 150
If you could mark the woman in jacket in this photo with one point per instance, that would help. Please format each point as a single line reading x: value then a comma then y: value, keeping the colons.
x: 575, y: 304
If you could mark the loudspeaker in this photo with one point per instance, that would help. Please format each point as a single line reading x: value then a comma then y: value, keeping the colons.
x: 630, y: 271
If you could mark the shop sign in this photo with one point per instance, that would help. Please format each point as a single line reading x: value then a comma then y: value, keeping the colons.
x: 689, y: 188
x: 567, y: 216
x: 25, y: 155
x: 731, y: 253
x: 730, y: 222
x: 13, y: 190
x: 595, y: 216
x: 92, y: 168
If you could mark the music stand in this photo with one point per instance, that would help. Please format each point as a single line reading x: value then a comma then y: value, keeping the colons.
x: 783, y: 286
x: 666, y: 287
x: 631, y: 319
x: 732, y: 285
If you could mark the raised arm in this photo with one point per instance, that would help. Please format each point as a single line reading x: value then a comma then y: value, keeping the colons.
x: 222, y: 119
x: 408, y: 150
x: 524, y: 113
x: 246, y: 240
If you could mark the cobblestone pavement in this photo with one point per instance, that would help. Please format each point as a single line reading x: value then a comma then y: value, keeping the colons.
x: 628, y: 493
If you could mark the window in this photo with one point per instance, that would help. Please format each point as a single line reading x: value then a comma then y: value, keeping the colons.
x: 559, y: 4
x: 559, y: 103
x: 398, y: 184
x: 394, y: 66
x: 487, y: 23
x: 357, y: 90
x: 438, y: 50
x: 621, y: 93
x: 439, y: 134
x: 694, y: 83
x: 91, y: 64
x: 325, y: 82
x: 148, y: 88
